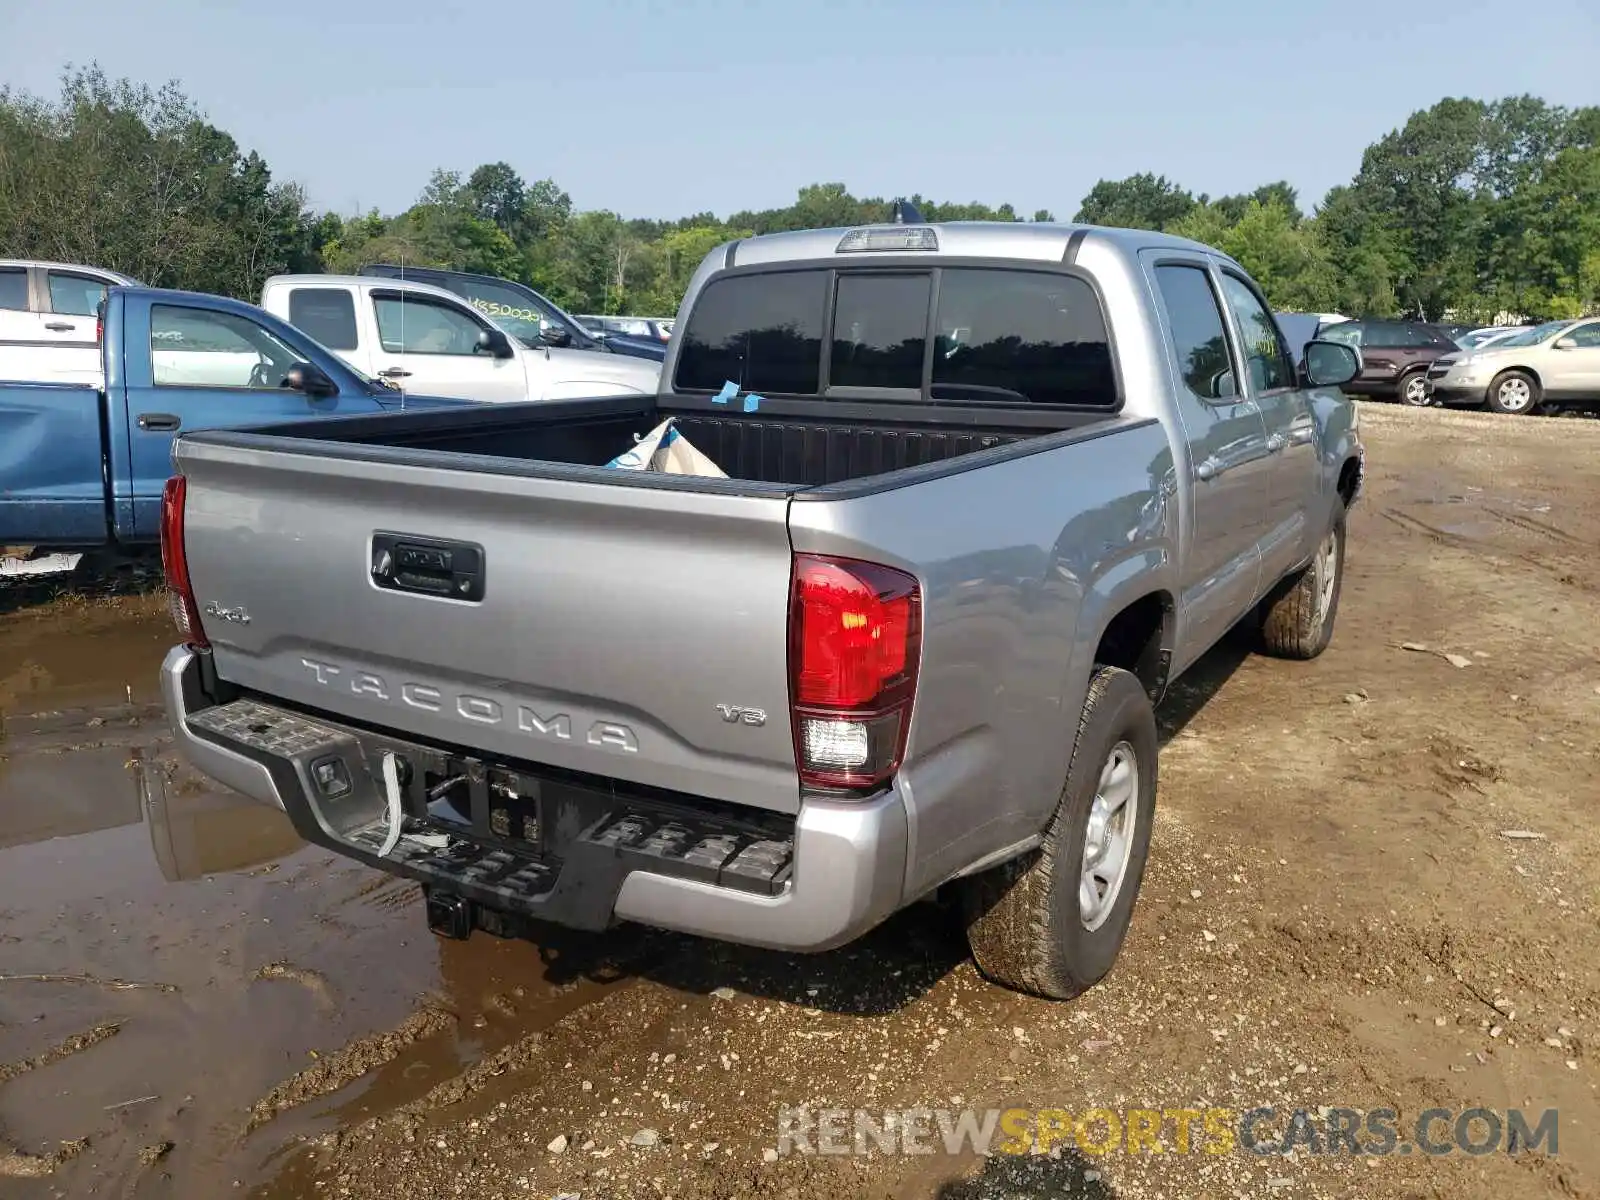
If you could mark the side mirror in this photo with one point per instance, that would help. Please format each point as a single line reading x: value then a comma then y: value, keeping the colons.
x: 555, y: 335
x: 1330, y: 364
x: 1566, y: 343
x: 310, y: 379
x: 495, y: 342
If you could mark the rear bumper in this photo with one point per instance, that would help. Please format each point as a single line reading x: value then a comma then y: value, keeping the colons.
x: 837, y: 871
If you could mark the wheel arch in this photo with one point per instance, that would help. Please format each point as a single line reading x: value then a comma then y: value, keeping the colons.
x: 1138, y: 635
x: 1522, y: 367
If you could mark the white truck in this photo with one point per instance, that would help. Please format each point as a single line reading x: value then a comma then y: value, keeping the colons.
x: 422, y: 338
x: 49, y: 329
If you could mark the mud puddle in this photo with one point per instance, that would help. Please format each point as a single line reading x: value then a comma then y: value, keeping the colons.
x: 71, y: 655
x: 186, y: 988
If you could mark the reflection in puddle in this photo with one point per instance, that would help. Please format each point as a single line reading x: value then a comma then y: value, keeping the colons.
x: 50, y: 662
x: 195, y: 832
x: 228, y: 955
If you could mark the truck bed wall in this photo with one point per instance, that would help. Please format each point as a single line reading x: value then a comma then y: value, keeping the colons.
x: 778, y: 449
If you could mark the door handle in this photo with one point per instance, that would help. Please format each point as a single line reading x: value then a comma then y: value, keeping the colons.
x: 1206, y: 469
x: 1275, y: 443
x: 159, y: 422
x: 428, y: 566
x: 59, y: 326
x: 394, y: 373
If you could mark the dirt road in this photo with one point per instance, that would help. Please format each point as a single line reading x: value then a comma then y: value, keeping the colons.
x: 1334, y: 917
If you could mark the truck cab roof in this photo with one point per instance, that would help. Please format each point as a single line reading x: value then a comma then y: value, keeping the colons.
x: 361, y: 281
x: 1041, y: 241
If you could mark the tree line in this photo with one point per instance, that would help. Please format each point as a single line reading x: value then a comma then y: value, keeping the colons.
x: 1472, y: 208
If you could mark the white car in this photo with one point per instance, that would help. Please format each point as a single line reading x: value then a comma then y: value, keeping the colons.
x: 421, y: 338
x: 49, y: 315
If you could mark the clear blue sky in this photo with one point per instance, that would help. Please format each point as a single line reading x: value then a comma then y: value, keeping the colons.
x: 668, y: 108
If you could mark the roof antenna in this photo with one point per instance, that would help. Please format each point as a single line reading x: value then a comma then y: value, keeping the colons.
x: 905, y: 213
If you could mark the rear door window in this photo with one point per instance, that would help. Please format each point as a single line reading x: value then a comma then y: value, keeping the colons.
x: 1198, y: 334
x: 880, y: 325
x: 327, y: 314
x: 1033, y: 336
x: 762, y: 332
x: 1386, y: 335
x: 14, y: 288
x: 75, y: 295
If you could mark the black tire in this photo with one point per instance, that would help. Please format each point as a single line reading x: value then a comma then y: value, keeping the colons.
x: 1024, y: 921
x: 1515, y: 393
x: 1297, y: 616
x: 1418, y: 378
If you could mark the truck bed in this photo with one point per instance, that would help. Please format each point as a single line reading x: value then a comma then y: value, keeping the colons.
x: 783, y: 450
x: 52, y: 479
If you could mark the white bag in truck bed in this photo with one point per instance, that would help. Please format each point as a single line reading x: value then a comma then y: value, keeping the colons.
x: 665, y: 449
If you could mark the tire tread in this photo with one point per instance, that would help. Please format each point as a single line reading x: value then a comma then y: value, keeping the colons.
x: 1011, y: 927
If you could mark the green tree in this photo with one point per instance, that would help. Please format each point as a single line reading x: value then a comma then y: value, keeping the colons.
x: 1142, y: 201
x: 133, y: 178
x: 1234, y: 207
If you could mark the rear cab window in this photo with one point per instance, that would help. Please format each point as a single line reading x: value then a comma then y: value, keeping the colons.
x: 971, y: 335
x: 326, y: 314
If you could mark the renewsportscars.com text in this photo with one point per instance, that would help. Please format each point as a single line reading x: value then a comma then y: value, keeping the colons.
x: 1265, y: 1130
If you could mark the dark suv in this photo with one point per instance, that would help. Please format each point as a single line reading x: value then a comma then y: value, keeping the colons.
x: 1395, y: 356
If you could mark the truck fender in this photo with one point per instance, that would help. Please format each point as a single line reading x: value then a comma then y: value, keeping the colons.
x: 1146, y: 575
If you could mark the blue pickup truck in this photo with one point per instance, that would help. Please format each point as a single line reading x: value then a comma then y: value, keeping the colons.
x: 82, y: 467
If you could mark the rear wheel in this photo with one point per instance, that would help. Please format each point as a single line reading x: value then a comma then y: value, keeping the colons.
x: 1514, y: 393
x: 1052, y: 922
x: 1297, y: 616
x: 1413, y: 389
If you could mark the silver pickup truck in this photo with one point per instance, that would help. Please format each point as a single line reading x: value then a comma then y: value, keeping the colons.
x: 990, y: 488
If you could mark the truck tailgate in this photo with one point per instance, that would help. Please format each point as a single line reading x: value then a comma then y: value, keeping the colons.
x: 613, y: 621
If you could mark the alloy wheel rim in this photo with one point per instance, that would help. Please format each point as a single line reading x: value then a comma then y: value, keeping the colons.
x: 1108, y: 838
x: 1327, y: 576
x: 1515, y: 394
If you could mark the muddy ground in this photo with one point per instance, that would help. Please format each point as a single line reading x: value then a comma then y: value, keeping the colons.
x: 194, y: 1004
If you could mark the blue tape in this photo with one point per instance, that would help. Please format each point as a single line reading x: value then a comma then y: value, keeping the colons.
x: 752, y: 402
x: 728, y: 392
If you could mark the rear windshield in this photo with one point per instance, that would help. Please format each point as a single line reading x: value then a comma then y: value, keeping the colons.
x: 1000, y: 336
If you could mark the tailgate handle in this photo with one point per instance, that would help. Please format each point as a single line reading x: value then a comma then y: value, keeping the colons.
x: 426, y: 566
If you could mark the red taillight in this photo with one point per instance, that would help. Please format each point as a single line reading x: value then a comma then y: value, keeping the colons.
x: 175, y: 564
x: 855, y: 637
x: 99, y: 329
